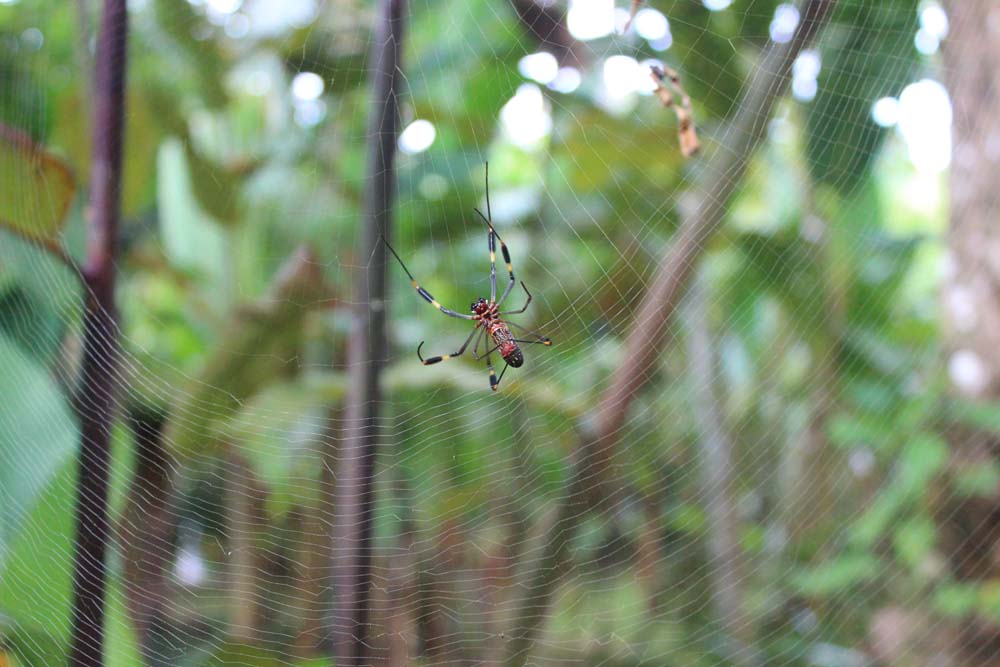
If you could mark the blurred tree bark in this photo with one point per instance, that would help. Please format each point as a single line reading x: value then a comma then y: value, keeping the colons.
x: 245, y: 520
x: 971, y: 526
x: 367, y: 351
x: 726, y: 560
x: 145, y: 530
x: 972, y: 292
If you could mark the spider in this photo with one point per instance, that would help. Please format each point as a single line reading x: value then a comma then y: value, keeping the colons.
x: 486, y: 314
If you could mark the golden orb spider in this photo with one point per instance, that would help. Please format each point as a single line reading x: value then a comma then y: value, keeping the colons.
x: 489, y: 319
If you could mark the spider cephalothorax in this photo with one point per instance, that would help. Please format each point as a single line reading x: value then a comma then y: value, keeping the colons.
x: 489, y: 319
x: 480, y: 307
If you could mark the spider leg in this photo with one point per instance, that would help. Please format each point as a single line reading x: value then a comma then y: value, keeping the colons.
x: 421, y: 291
x: 444, y: 357
x: 488, y: 219
x: 525, y: 307
x: 541, y: 339
x: 493, y: 262
x: 494, y: 380
x: 505, y: 367
x: 487, y: 353
x: 511, y: 281
x: 479, y: 339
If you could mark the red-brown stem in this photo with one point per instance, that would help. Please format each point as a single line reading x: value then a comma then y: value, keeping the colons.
x: 367, y: 351
x: 95, y: 396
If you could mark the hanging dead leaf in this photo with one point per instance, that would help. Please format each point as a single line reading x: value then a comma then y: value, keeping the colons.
x: 665, y: 79
x: 36, y: 188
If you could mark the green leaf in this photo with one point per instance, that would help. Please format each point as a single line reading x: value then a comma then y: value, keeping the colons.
x: 279, y: 431
x: 781, y: 264
x: 772, y: 197
x: 216, y: 186
x: 36, y: 576
x: 860, y: 65
x: 851, y: 430
x: 192, y: 239
x: 215, y: 162
x: 754, y: 539
x: 921, y: 458
x: 39, y: 298
x: 36, y: 329
x: 36, y: 188
x: 914, y: 540
x: 36, y: 582
x: 38, y: 435
x: 873, y: 523
x: 980, y: 479
x: 988, y: 599
x: 983, y: 416
x: 837, y: 575
x: 688, y: 518
x: 484, y: 69
x: 121, y: 648
x: 202, y: 57
x: 257, y: 344
x: 341, y: 63
x: 143, y: 129
x: 232, y: 653
x: 29, y: 647
x: 956, y: 599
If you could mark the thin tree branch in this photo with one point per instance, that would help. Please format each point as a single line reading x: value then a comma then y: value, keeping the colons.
x: 722, y: 175
x: 95, y: 398
x: 367, y: 351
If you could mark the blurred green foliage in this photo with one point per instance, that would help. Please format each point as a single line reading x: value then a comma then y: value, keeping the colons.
x: 818, y: 304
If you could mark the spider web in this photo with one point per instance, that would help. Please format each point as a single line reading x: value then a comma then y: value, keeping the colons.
x: 767, y: 503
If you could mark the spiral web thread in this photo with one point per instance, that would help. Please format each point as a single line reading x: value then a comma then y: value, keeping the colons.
x: 690, y: 561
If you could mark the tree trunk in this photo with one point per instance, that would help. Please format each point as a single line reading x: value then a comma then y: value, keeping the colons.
x: 726, y: 564
x: 367, y: 351
x: 972, y: 297
x: 245, y: 519
x: 144, y: 532
x: 95, y: 396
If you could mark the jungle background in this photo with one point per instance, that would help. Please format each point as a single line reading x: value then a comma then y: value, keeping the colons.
x: 802, y: 468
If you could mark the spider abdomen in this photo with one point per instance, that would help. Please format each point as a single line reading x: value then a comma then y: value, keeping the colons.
x: 506, y: 344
